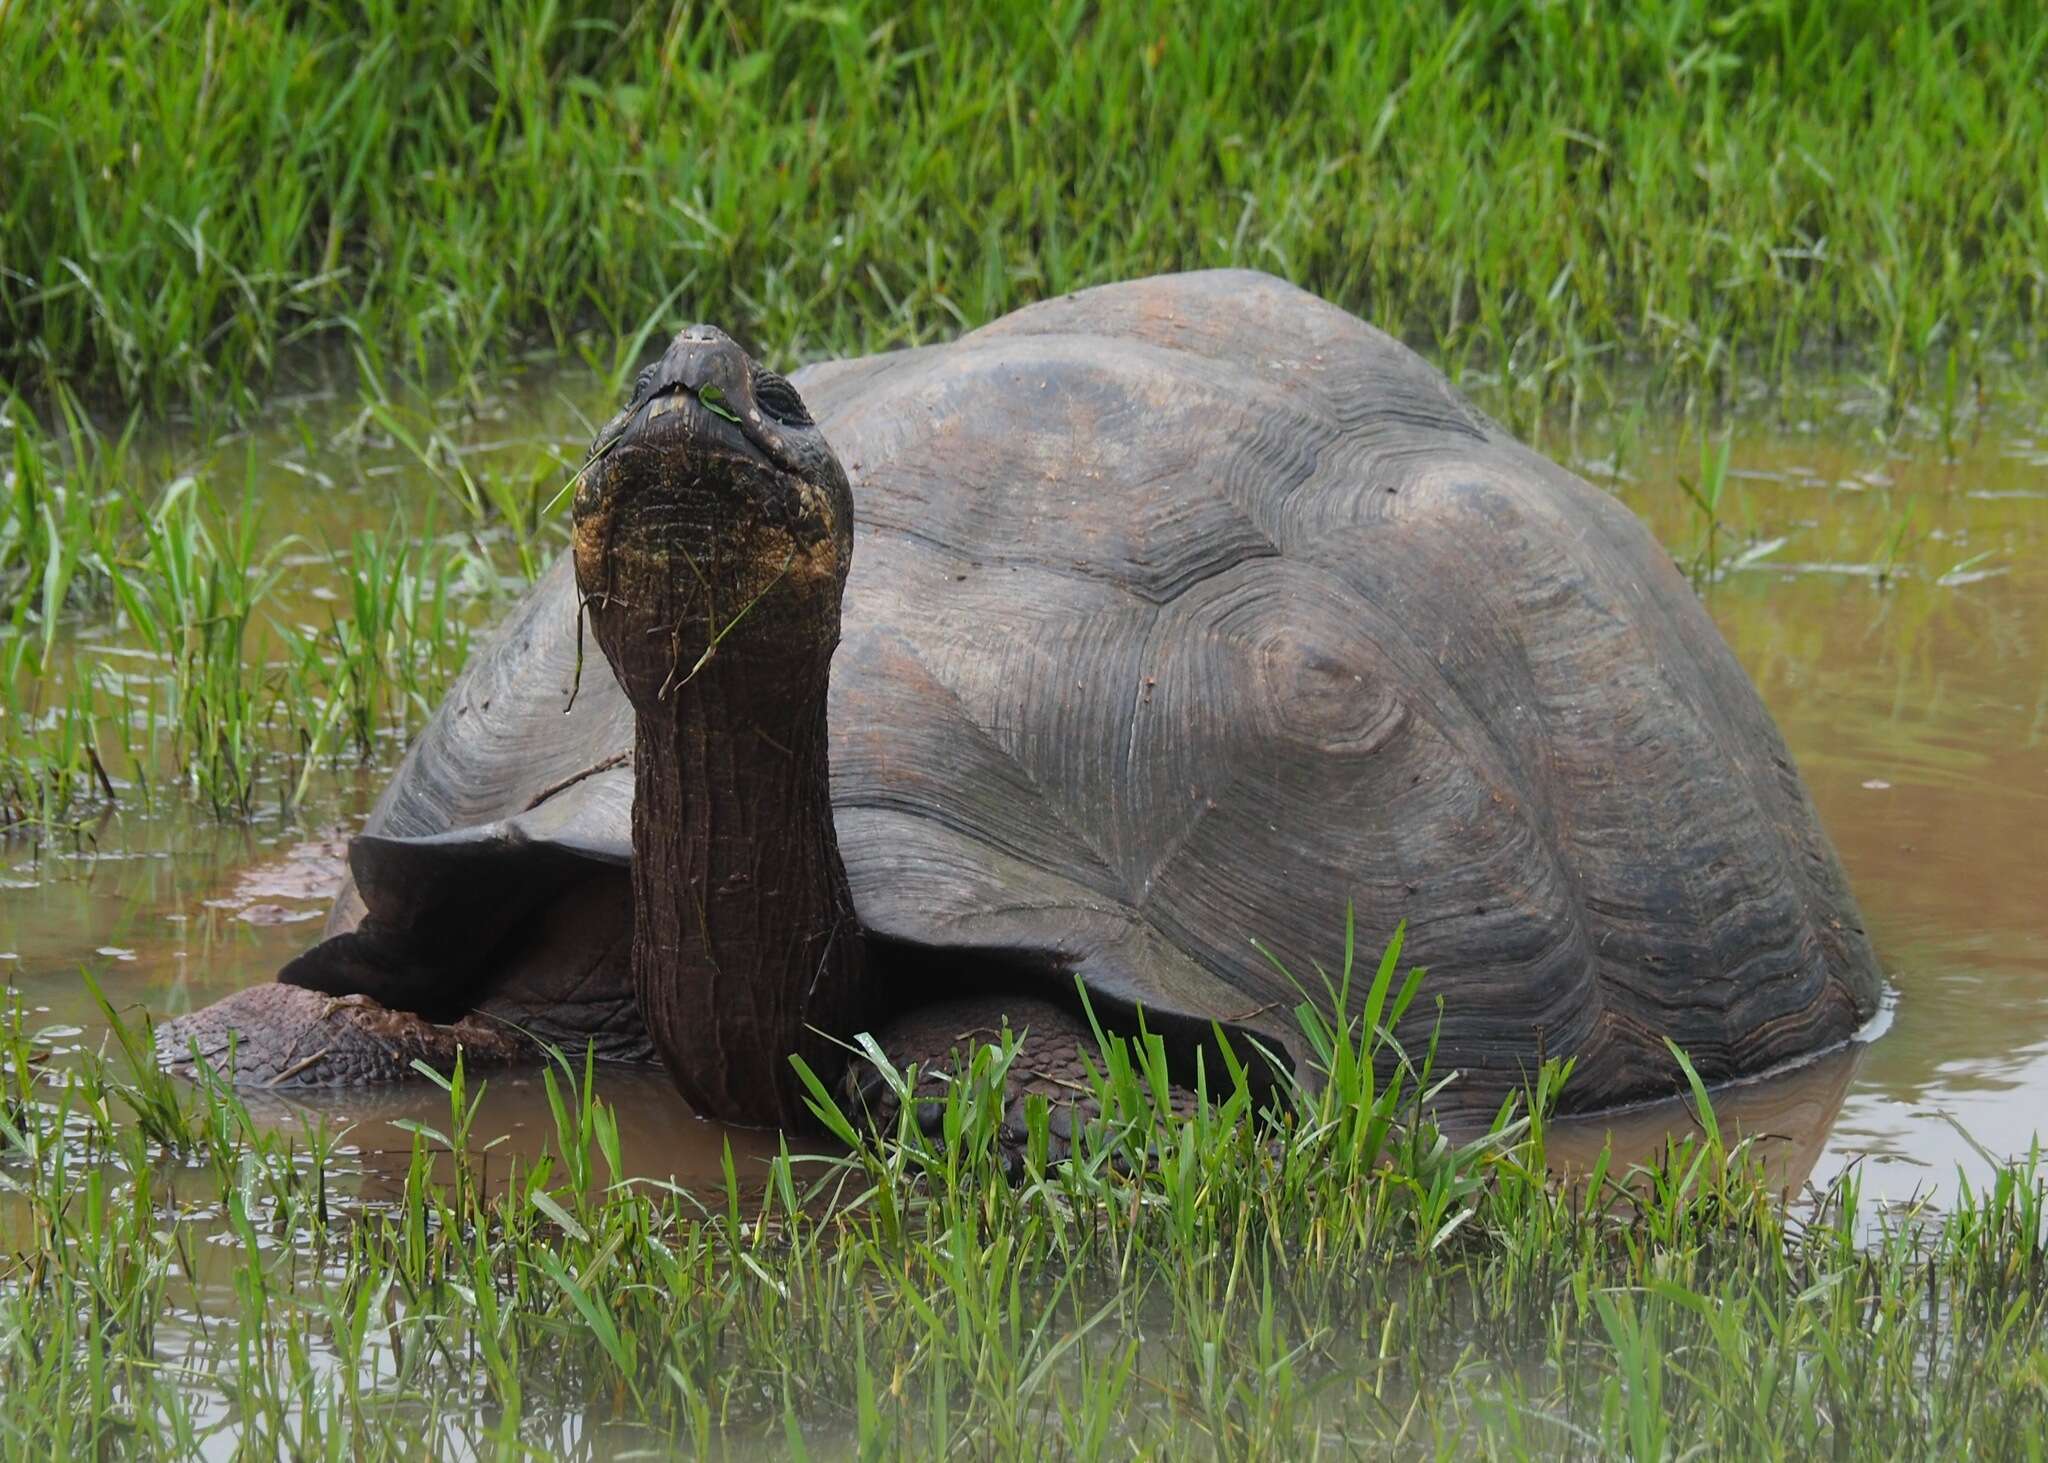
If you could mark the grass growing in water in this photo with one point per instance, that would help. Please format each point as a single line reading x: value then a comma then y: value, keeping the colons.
x: 1350, y: 1278
x: 1535, y: 188
x: 216, y: 680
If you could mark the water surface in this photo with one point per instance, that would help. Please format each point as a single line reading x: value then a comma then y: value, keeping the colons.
x: 1889, y: 599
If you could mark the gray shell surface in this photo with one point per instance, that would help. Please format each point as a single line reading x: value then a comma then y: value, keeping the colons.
x: 1183, y: 613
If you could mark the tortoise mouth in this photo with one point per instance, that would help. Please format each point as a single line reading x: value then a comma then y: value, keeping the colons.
x: 677, y: 440
x: 674, y: 419
x: 688, y: 450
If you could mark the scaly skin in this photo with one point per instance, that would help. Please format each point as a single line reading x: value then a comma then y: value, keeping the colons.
x: 712, y: 545
x: 557, y: 976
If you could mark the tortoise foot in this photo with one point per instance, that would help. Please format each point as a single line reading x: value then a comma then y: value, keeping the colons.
x: 287, y: 1036
x: 1054, y: 1050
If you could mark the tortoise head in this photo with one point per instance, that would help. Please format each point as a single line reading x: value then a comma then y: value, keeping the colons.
x: 712, y: 520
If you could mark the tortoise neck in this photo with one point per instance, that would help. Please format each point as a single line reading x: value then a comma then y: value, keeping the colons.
x: 744, y: 936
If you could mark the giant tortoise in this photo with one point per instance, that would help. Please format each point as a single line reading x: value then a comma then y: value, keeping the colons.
x: 1170, y: 617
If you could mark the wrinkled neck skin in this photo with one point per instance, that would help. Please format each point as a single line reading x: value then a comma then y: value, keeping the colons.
x: 744, y: 937
x: 745, y: 945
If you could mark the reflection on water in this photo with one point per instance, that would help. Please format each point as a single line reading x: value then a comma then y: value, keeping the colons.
x: 1894, y: 619
x: 1787, y: 1117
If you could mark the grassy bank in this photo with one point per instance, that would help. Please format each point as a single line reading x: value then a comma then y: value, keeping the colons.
x: 191, y: 188
x: 176, y: 1275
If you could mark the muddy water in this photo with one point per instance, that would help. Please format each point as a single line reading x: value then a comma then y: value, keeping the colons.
x: 1891, y: 602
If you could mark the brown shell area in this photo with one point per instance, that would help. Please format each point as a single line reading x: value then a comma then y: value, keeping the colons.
x: 1184, y: 612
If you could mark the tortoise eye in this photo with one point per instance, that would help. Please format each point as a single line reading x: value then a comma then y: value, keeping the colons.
x: 778, y: 398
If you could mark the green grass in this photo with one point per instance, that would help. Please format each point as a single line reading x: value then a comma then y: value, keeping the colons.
x: 1342, y: 1279
x: 1534, y: 189
x: 217, y: 688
